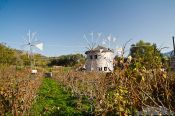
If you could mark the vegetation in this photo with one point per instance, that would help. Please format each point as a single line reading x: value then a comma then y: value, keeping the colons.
x: 136, y: 85
x: 123, y: 92
x: 7, y: 55
x: 17, y: 90
x: 67, y: 60
x: 10, y: 56
x: 52, y: 100
x: 146, y: 54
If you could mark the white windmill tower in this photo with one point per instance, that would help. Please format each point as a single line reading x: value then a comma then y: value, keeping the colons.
x: 99, y: 58
x: 31, y: 43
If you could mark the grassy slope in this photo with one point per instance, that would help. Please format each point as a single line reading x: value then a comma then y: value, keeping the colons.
x: 52, y: 100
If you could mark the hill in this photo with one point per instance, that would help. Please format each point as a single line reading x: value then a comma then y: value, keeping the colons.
x: 12, y: 56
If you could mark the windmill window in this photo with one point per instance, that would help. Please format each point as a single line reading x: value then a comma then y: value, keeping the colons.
x: 105, y: 68
x: 95, y: 56
x: 91, y: 57
x: 100, y: 68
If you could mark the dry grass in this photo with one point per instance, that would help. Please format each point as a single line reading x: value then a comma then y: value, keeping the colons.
x: 17, y: 90
x: 122, y: 92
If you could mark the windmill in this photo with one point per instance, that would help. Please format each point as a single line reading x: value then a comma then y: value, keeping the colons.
x: 31, y: 43
x: 92, y: 43
x: 98, y: 56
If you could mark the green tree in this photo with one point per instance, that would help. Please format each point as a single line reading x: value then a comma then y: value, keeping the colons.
x: 11, y: 56
x: 146, y: 54
x: 67, y: 60
x: 40, y: 60
x: 7, y: 55
x: 25, y: 59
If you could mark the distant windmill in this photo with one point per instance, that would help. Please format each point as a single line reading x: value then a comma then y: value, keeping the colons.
x: 31, y: 43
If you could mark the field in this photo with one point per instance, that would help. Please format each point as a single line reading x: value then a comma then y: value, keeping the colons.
x: 122, y: 92
x: 52, y: 100
x: 69, y: 92
x: 17, y: 90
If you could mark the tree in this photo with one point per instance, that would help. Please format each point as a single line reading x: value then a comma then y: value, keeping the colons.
x: 11, y: 56
x: 67, y: 60
x: 7, y: 55
x: 146, y: 54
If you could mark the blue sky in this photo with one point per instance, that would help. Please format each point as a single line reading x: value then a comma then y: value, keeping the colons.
x: 61, y: 24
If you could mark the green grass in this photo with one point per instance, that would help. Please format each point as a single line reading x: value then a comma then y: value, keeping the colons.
x: 52, y: 100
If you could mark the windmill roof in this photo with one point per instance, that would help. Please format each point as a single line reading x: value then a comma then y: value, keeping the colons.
x: 98, y: 49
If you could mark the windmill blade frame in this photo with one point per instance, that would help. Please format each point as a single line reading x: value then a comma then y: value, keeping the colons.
x: 31, y: 42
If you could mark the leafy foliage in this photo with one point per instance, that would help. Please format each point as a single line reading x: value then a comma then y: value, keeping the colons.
x: 138, y: 84
x: 146, y: 54
x: 124, y: 92
x: 7, y: 55
x: 20, y: 58
x: 67, y: 60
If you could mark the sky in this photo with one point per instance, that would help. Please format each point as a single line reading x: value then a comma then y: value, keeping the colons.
x: 61, y: 24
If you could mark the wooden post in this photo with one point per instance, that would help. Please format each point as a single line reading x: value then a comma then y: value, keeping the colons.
x: 173, y: 46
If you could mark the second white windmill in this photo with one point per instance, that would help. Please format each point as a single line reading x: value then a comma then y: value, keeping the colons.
x: 31, y: 43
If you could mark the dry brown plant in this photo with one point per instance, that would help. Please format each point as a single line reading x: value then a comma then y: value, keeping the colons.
x: 17, y: 90
x: 123, y: 92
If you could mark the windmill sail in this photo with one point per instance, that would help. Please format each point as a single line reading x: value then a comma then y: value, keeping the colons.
x: 120, y: 51
x: 39, y: 46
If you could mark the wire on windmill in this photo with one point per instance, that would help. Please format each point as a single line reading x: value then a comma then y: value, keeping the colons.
x: 92, y: 36
x: 98, y: 38
x: 109, y: 37
x: 103, y: 42
x: 124, y: 46
x: 89, y: 44
x: 114, y: 39
x: 99, y: 34
x: 29, y: 35
x: 92, y: 40
x: 109, y: 40
x: 113, y: 43
x: 33, y: 34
